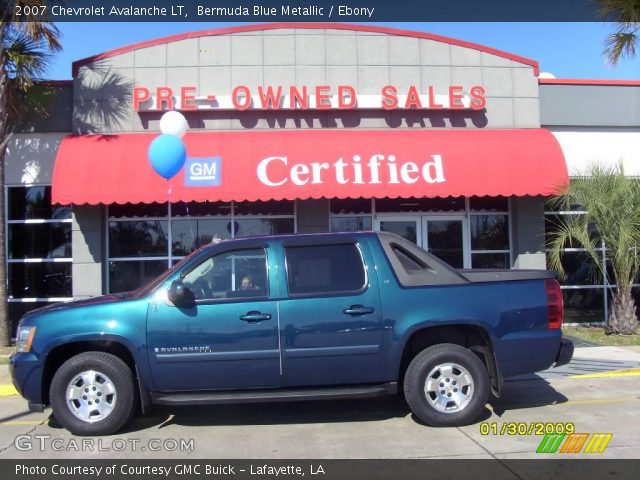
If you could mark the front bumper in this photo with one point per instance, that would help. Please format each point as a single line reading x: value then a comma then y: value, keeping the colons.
x: 26, y: 374
x: 565, y: 352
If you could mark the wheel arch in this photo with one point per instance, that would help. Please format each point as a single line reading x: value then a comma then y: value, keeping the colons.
x: 63, y: 352
x: 473, y: 337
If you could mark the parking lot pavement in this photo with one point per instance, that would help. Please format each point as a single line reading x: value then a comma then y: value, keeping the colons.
x: 603, y: 401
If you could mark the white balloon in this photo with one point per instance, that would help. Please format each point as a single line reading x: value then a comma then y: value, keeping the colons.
x: 174, y: 123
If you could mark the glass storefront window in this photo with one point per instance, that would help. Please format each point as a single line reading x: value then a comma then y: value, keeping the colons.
x: 138, y: 238
x: 193, y: 224
x: 350, y: 224
x: 580, y: 269
x: 272, y: 207
x: 482, y: 223
x: 552, y: 222
x: 584, y: 301
x: 635, y: 292
x: 554, y: 205
x: 200, y: 209
x: 398, y: 205
x: 39, y: 255
x: 39, y: 240
x: 40, y: 280
x: 350, y: 205
x: 489, y: 232
x: 583, y: 305
x: 490, y: 260
x: 27, y: 203
x: 138, y: 210
x: 126, y: 275
x: 350, y: 215
x: 191, y: 234
x: 246, y: 227
x: 445, y: 240
x: 489, y: 204
x: 406, y: 229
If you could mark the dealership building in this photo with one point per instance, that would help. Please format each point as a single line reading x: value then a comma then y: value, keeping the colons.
x: 305, y: 128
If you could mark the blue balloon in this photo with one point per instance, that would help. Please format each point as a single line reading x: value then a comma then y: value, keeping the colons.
x: 167, y: 155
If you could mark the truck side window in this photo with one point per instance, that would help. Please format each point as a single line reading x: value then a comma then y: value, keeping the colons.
x: 324, y: 268
x: 236, y: 274
x: 407, y: 260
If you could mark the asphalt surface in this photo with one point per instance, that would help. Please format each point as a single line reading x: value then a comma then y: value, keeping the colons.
x: 598, y: 392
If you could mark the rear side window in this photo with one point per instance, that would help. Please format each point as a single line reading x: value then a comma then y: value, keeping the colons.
x: 408, y: 261
x: 324, y: 269
x: 413, y: 266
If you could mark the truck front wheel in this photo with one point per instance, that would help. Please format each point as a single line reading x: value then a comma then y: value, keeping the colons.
x: 93, y: 394
x: 446, y: 386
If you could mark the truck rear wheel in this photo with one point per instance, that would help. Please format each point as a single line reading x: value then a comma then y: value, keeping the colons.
x: 446, y: 386
x: 93, y: 394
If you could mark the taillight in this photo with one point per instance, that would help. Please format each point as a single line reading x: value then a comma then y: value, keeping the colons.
x: 554, y: 303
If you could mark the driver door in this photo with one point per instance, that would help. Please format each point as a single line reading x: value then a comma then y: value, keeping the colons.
x: 228, y: 337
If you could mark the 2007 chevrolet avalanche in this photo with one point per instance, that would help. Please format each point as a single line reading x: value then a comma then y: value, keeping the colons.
x: 290, y: 318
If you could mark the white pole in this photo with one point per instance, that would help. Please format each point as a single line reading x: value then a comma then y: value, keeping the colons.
x: 170, y: 242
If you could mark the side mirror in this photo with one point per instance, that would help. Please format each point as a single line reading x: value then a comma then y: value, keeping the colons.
x: 180, y: 295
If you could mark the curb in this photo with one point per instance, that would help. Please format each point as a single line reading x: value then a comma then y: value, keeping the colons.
x: 7, y: 390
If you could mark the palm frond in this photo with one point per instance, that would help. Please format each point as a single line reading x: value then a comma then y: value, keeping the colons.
x: 35, y: 99
x: 36, y: 25
x: 623, y: 12
x: 611, y: 201
x: 26, y: 60
x: 623, y: 41
x: 46, y: 32
x: 575, y: 232
x: 619, y: 45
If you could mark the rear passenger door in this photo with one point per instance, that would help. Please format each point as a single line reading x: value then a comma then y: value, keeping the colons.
x: 331, y: 327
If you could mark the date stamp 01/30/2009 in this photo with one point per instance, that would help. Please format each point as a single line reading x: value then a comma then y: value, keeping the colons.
x: 527, y: 428
x: 558, y: 437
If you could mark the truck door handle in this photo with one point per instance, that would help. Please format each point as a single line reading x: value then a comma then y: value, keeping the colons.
x: 356, y: 310
x: 255, y: 317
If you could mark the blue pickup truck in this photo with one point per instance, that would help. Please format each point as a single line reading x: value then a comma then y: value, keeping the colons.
x: 296, y: 317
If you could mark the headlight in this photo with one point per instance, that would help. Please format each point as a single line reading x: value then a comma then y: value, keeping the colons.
x: 25, y: 337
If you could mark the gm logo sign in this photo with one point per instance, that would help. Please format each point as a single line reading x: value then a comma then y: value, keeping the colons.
x: 203, y: 172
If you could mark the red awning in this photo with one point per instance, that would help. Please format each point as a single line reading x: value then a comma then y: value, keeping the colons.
x: 301, y: 164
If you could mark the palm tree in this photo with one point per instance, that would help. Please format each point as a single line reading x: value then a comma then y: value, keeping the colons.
x: 26, y: 45
x: 624, y: 40
x: 611, y: 202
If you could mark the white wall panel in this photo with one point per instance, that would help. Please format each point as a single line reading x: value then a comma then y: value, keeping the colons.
x: 586, y: 146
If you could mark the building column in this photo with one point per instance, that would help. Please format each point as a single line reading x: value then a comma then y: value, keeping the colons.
x: 87, y: 238
x: 527, y: 215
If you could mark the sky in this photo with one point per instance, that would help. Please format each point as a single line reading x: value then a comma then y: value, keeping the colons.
x: 567, y: 50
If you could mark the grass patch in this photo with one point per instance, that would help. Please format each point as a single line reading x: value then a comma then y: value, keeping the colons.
x: 596, y: 335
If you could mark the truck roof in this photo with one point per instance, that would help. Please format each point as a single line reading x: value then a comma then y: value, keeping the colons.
x: 297, y: 236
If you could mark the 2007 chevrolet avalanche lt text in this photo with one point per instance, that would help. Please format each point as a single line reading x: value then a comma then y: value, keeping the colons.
x: 291, y: 318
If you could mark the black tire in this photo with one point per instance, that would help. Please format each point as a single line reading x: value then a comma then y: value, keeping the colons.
x: 416, y: 377
x: 110, y: 367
